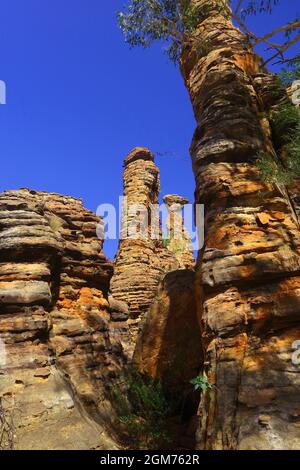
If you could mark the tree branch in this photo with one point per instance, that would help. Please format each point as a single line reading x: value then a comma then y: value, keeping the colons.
x: 284, y: 49
x: 290, y: 26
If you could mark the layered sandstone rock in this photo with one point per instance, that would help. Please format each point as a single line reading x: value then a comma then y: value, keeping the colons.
x: 56, y: 359
x: 248, y: 271
x: 142, y: 258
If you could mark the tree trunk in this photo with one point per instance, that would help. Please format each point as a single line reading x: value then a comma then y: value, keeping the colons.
x: 248, y: 274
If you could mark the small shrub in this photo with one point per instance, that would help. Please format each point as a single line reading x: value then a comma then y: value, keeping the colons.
x: 285, y: 125
x: 272, y: 171
x: 143, y: 411
x: 288, y: 76
x: 201, y: 383
x: 166, y: 242
x: 276, y: 90
x: 293, y: 151
x: 173, y: 244
x: 285, y: 122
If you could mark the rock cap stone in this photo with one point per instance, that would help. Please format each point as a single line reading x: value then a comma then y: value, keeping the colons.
x: 171, y: 199
x: 138, y: 153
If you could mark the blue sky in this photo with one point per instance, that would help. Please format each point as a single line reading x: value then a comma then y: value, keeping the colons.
x: 78, y: 99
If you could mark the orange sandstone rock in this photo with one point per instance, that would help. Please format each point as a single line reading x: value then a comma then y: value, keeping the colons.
x: 56, y: 356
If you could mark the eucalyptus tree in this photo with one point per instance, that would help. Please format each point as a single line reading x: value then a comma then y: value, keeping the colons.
x: 175, y: 22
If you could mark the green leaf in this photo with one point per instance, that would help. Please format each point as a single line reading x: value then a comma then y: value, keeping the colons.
x: 201, y: 382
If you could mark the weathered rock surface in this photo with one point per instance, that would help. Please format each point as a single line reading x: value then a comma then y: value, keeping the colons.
x: 179, y: 239
x: 248, y: 271
x: 56, y: 357
x: 142, y: 259
x: 169, y: 346
x: 169, y: 349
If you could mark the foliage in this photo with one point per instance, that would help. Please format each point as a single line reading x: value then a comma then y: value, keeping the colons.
x: 143, y: 411
x: 272, y: 170
x: 169, y: 238
x: 293, y: 150
x: 201, y: 383
x: 285, y: 124
x: 254, y: 7
x: 276, y: 91
x: 173, y: 244
x: 167, y: 242
x: 173, y: 22
x: 292, y: 73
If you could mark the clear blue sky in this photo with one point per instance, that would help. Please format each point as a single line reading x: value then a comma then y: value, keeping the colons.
x: 78, y: 100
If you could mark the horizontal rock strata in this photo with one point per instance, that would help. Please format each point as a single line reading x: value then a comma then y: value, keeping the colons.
x: 55, y: 357
x: 248, y: 271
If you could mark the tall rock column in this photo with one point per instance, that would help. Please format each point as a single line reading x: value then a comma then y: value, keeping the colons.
x: 141, y: 259
x: 179, y: 240
x: 248, y: 284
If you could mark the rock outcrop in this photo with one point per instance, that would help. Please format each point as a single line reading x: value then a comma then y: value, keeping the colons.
x: 171, y: 323
x: 68, y: 325
x: 169, y: 346
x: 179, y: 239
x: 64, y: 340
x: 248, y: 272
x: 169, y: 349
x: 143, y: 258
x: 56, y: 357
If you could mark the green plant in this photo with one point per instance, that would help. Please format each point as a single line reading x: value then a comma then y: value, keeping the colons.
x: 168, y: 237
x: 166, y: 242
x: 285, y: 124
x: 201, y: 383
x: 276, y: 90
x: 292, y: 73
x: 293, y: 150
x: 173, y: 244
x: 172, y: 22
x: 284, y: 121
x: 143, y: 410
x: 272, y: 171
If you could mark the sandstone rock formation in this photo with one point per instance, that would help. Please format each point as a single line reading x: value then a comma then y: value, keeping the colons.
x: 142, y: 258
x: 169, y: 347
x: 64, y: 339
x: 66, y: 334
x: 248, y: 272
x: 179, y: 240
x: 56, y: 358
